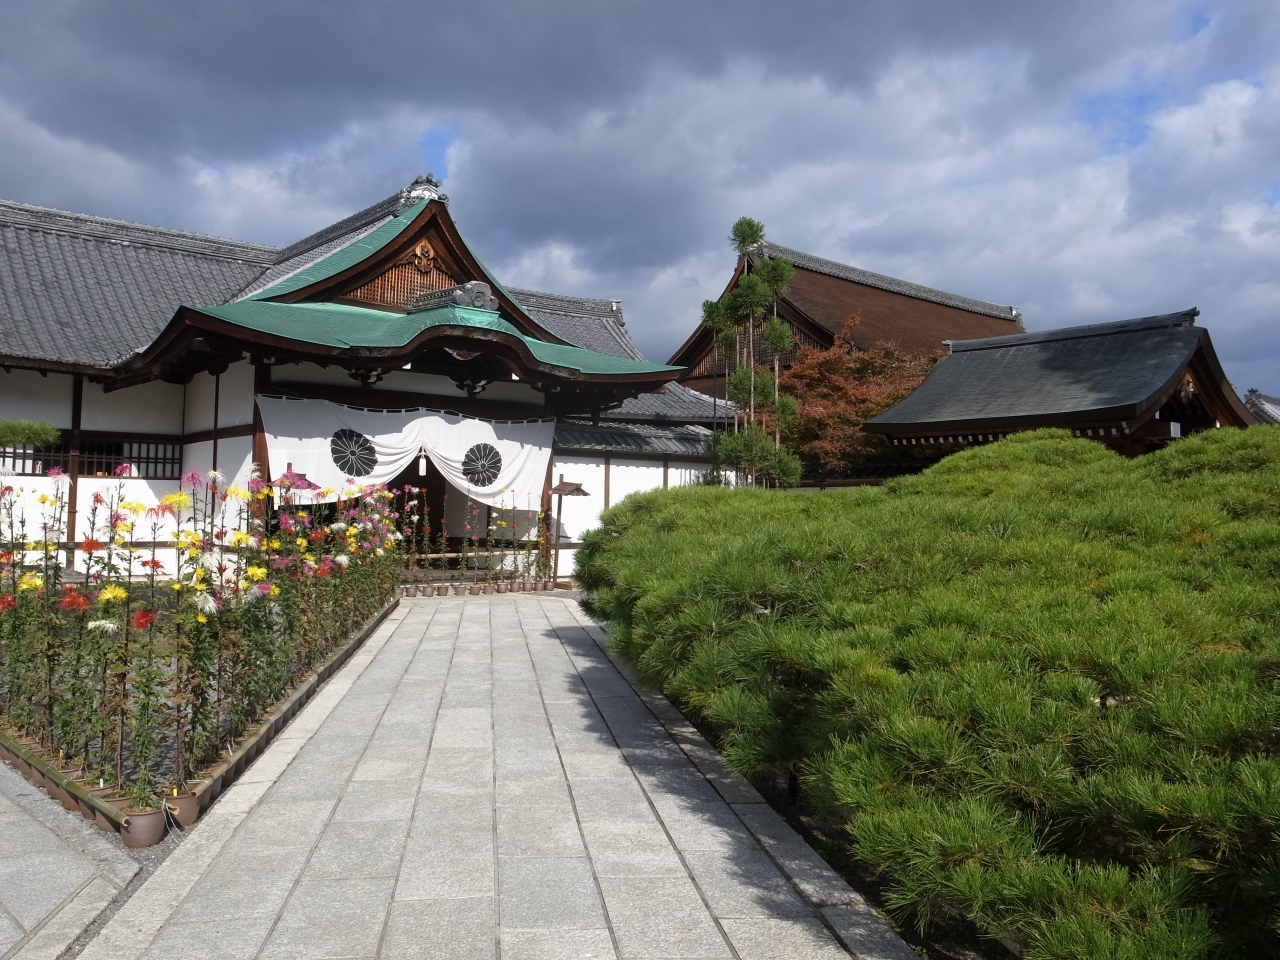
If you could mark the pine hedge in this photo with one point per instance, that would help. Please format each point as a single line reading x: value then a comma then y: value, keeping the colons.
x: 1037, y: 683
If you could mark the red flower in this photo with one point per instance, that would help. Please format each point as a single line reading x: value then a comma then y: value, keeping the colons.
x: 73, y: 601
x: 90, y: 545
x: 143, y: 619
x: 316, y: 536
x: 153, y: 565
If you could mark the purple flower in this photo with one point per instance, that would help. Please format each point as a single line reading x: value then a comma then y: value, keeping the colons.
x: 55, y: 472
x: 190, y: 480
x: 124, y: 470
x: 264, y: 588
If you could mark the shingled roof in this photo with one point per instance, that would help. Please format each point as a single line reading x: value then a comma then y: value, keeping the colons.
x: 1101, y: 372
x: 632, y: 438
x: 600, y: 325
x: 843, y: 271
x: 84, y: 291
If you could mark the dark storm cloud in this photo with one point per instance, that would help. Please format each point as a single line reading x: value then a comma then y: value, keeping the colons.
x: 1086, y: 161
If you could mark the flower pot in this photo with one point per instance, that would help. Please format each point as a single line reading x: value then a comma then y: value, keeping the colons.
x: 488, y: 588
x: 142, y: 828
x: 184, y: 808
x: 459, y: 589
x: 501, y: 587
x: 474, y: 589
x: 548, y: 585
x: 442, y: 590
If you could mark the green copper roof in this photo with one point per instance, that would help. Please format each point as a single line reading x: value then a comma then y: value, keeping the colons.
x: 345, y: 257
x: 342, y: 326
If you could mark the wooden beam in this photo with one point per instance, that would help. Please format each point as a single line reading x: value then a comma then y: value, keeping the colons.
x: 73, y: 463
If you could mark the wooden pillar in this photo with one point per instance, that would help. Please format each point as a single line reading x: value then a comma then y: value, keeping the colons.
x: 666, y: 469
x: 73, y: 465
x: 606, y: 481
x: 217, y: 397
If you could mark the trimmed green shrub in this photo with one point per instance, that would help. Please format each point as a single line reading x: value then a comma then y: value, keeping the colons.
x: 1037, y: 683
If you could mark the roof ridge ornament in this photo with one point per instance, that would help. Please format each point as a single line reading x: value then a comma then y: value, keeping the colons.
x: 474, y: 293
x: 422, y: 188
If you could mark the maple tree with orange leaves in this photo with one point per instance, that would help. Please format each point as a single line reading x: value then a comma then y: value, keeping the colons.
x: 840, y: 387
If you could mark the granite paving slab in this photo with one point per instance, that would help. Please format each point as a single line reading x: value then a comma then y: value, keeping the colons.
x: 482, y: 780
x: 57, y: 871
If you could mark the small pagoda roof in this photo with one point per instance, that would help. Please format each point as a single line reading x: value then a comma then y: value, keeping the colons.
x: 1097, y: 373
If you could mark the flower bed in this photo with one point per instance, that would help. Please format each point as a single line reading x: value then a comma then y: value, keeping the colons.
x: 179, y: 626
x: 1037, y: 684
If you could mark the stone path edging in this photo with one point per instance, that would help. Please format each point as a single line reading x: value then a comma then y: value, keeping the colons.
x: 862, y: 931
x: 136, y: 925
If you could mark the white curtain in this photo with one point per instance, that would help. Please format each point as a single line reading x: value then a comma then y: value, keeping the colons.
x: 498, y: 462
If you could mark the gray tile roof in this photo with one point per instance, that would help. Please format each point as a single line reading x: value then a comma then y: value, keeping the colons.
x: 808, y: 261
x: 634, y: 438
x: 1266, y: 409
x: 90, y: 291
x: 600, y: 325
x: 1100, y: 371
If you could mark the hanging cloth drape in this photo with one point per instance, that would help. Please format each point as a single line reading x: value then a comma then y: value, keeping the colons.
x: 498, y: 462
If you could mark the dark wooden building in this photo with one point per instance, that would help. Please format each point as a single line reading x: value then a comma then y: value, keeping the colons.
x: 1132, y: 385
x: 824, y: 295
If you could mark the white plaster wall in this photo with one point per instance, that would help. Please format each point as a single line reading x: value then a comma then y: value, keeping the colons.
x: 235, y: 405
x: 683, y: 474
x: 25, y: 395
x: 580, y: 513
x: 633, y: 476
x: 235, y: 399
x: 154, y: 407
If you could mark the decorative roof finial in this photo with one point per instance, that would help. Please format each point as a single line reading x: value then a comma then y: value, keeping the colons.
x: 422, y: 188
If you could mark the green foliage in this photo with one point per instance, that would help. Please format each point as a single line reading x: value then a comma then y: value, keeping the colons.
x: 33, y: 433
x: 751, y: 452
x: 745, y: 234
x: 716, y: 317
x: 776, y: 336
x: 776, y: 274
x: 748, y: 300
x: 1037, y: 683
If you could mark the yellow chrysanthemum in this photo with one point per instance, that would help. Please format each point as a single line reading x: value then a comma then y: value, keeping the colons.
x: 178, y: 499
x: 201, y: 618
x: 133, y: 507
x: 257, y: 574
x: 237, y: 493
x: 111, y: 593
x: 31, y: 581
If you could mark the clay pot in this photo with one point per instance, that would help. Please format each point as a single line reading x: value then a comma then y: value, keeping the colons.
x: 502, y: 587
x: 184, y: 808
x: 144, y: 828
x: 442, y: 590
x: 459, y: 589
x: 488, y: 588
x: 474, y: 589
x: 548, y: 585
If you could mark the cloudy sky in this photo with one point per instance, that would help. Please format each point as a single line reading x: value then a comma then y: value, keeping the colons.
x: 1087, y: 161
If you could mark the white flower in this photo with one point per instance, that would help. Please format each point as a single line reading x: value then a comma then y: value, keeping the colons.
x: 337, y: 527
x: 216, y: 476
x: 206, y: 603
x: 106, y: 626
x: 342, y: 560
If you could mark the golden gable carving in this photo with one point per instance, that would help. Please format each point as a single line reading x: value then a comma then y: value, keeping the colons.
x: 419, y: 271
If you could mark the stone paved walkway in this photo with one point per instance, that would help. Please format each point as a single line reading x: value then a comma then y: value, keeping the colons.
x: 480, y: 781
x: 57, y: 872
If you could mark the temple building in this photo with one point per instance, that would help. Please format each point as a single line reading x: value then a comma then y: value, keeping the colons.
x: 378, y: 350
x: 824, y: 296
x: 1133, y: 385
